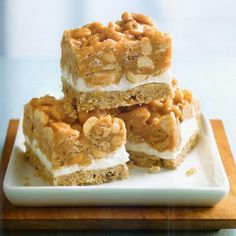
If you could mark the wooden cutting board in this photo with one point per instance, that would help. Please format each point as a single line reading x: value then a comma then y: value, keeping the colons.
x: 221, y: 216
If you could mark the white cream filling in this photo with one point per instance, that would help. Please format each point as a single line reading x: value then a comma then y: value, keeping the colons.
x: 187, y: 129
x: 120, y: 156
x: 124, y: 84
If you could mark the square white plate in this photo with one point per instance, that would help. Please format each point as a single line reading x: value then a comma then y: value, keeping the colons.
x: 169, y: 187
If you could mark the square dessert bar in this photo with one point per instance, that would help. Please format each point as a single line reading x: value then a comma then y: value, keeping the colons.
x: 121, y: 64
x: 72, y: 148
x: 162, y: 132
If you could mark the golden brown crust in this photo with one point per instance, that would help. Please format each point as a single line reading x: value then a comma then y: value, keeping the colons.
x: 148, y: 161
x: 67, y: 137
x: 93, y: 177
x: 88, y: 101
x: 90, y: 177
x: 102, y: 55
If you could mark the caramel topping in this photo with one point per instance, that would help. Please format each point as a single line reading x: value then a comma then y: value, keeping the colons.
x: 88, y: 136
x: 130, y: 27
x: 101, y: 54
x: 157, y: 122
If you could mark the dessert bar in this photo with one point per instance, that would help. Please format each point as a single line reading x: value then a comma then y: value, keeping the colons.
x: 72, y: 148
x: 121, y: 64
x: 163, y: 131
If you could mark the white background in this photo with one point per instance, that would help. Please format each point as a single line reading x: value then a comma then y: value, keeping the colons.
x: 204, y: 59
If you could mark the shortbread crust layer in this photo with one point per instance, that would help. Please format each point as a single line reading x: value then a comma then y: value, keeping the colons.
x: 88, y: 101
x: 89, y: 177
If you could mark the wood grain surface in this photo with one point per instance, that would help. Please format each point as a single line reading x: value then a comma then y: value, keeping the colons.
x: 223, y: 215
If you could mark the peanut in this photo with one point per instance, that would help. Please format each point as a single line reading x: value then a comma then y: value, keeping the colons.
x: 103, y: 78
x: 106, y: 131
x: 98, y: 130
x: 188, y: 95
x: 105, y: 121
x: 136, y: 32
x: 80, y: 33
x: 60, y: 126
x: 79, y: 159
x: 142, y: 19
x: 126, y: 16
x: 155, y: 121
x: 128, y: 35
x: 146, y: 47
x: 110, y: 67
x: 140, y: 113
x: 95, y: 27
x: 46, y: 101
x: 94, y: 39
x: 116, y: 141
x: 145, y: 62
x: 176, y: 110
x: 134, y: 78
x: 155, y: 105
x: 40, y: 118
x: 167, y: 122
x: 163, y: 47
x: 109, y: 57
x: 178, y: 98
x: 56, y: 112
x: 131, y: 25
x: 88, y: 125
x: 98, y: 154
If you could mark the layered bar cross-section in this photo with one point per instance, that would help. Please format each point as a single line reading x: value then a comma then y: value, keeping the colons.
x: 121, y: 64
x: 162, y: 132
x: 73, y: 149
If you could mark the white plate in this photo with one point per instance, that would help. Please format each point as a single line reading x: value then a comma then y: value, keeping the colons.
x: 169, y: 187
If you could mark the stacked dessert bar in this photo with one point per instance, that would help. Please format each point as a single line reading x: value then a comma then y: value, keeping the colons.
x: 122, y: 64
x: 119, y: 97
x: 162, y: 132
x: 73, y: 149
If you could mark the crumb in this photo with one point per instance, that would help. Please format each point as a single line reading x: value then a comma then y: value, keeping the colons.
x: 191, y: 171
x: 36, y: 173
x: 26, y: 181
x: 131, y: 164
x: 154, y: 169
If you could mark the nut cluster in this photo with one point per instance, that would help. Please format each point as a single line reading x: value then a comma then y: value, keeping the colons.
x: 47, y: 109
x: 157, y: 108
x: 157, y: 122
x: 179, y: 100
x: 73, y: 139
x: 130, y: 27
x: 105, y: 134
x: 131, y: 48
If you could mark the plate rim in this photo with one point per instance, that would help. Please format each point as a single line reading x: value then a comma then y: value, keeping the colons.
x: 223, y: 188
